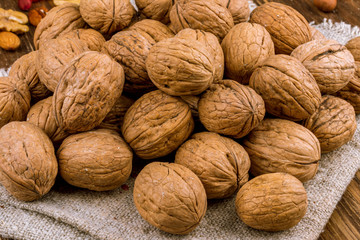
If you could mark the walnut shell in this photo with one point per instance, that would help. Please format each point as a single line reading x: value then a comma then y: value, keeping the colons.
x: 209, y: 16
x: 331, y: 64
x: 107, y: 16
x: 24, y: 69
x: 210, y: 41
x: 98, y: 160
x: 170, y: 197
x: 42, y: 116
x: 245, y: 47
x: 354, y: 47
x: 239, y: 9
x: 52, y: 58
x: 287, y: 87
x: 193, y: 102
x: 88, y: 88
x: 272, y: 202
x: 333, y: 123
x: 221, y: 163
x: 130, y: 49
x: 153, y: 28
x: 28, y: 166
x: 231, y: 109
x: 157, y: 124
x: 278, y: 145
x: 14, y: 100
x: 59, y: 20
x: 180, y: 66
x: 93, y: 39
x: 155, y: 9
x: 287, y: 27
x: 316, y: 34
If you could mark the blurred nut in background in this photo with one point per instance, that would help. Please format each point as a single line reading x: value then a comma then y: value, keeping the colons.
x: 13, y: 21
x: 9, y: 41
x: 36, y: 15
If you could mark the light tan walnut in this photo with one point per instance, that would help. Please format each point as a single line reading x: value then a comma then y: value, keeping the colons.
x: 155, y: 29
x: 93, y: 39
x: 155, y: 9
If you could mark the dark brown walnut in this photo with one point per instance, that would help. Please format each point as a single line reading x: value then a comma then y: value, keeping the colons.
x: 93, y: 39
x: 316, y: 34
x: 181, y: 66
x: 115, y: 118
x: 333, y: 123
x: 24, y: 69
x: 58, y: 20
x: 211, y: 42
x: 41, y: 115
x: 331, y: 64
x: 221, y: 163
x: 88, y: 88
x: 354, y: 47
x: 193, y: 102
x: 272, y: 202
x: 231, y: 109
x: 287, y: 87
x: 155, y: 9
x: 245, y: 47
x: 170, y: 197
x: 130, y: 49
x: 155, y: 29
x: 53, y: 57
x: 278, y: 145
x: 287, y: 27
x: 98, y: 160
x: 239, y: 9
x: 28, y: 166
x: 14, y: 100
x: 107, y: 16
x: 157, y: 124
x: 207, y: 15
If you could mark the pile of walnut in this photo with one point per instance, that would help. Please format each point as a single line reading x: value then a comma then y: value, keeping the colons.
x: 272, y: 93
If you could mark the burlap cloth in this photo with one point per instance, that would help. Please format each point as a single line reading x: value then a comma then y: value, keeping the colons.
x: 71, y: 213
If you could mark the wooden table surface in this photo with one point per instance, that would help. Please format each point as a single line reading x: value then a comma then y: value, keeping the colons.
x: 345, y: 221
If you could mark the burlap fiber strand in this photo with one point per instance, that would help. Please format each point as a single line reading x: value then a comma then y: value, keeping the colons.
x: 71, y: 213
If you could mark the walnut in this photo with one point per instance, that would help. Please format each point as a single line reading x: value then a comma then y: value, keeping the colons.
x: 24, y: 69
x: 210, y: 16
x: 278, y: 145
x: 98, y: 160
x: 58, y: 20
x: 221, y: 163
x: 239, y: 9
x: 272, y: 202
x: 13, y: 21
x: 155, y: 9
x: 107, y: 16
x: 89, y: 87
x: 245, y: 47
x: 52, y: 58
x: 287, y: 87
x: 316, y: 34
x: 14, y: 100
x: 354, y: 47
x: 130, y: 49
x: 193, y: 102
x: 157, y: 124
x: 287, y: 27
x: 331, y: 64
x: 41, y: 115
x: 93, y: 39
x: 333, y: 123
x: 153, y: 28
x: 170, y: 197
x: 28, y: 166
x: 231, y: 109
x: 180, y: 66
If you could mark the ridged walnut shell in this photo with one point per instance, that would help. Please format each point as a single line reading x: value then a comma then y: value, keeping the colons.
x: 210, y: 41
x: 221, y: 163
x: 93, y: 39
x: 170, y: 197
x: 331, y: 64
x: 157, y: 124
x: 180, y: 66
x: 287, y: 87
x: 287, y: 27
x: 278, y: 145
x: 231, y: 109
x: 14, y: 100
x: 28, y: 166
x: 53, y: 57
x: 209, y: 16
x: 107, y: 16
x: 354, y: 47
x: 59, y: 20
x: 41, y: 115
x: 24, y: 69
x: 89, y: 87
x: 316, y: 34
x: 272, y: 202
x: 98, y: 160
x: 333, y: 123
x: 245, y: 47
x: 153, y: 28
x: 155, y: 9
x: 239, y: 9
